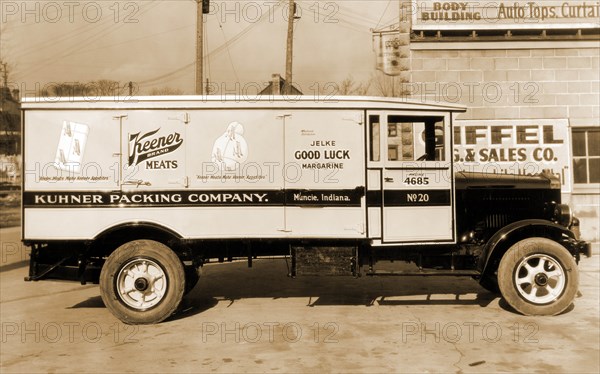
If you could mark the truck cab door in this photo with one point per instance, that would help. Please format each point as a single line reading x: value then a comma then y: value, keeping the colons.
x: 153, y: 150
x: 410, y: 177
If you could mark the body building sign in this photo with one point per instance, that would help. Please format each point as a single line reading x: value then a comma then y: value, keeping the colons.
x: 522, y: 147
x: 522, y: 14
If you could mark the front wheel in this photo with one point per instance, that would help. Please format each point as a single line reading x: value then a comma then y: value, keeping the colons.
x: 538, y: 276
x: 142, y: 281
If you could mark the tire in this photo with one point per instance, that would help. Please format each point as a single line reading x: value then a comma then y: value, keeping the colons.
x: 191, y: 278
x: 538, y: 276
x: 142, y: 282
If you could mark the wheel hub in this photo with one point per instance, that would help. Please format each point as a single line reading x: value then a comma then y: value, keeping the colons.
x: 540, y: 279
x: 141, y: 283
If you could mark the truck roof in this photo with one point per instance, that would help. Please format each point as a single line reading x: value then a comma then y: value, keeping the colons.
x: 238, y: 102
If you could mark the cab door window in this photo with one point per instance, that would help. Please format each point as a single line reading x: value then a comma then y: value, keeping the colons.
x: 415, y: 138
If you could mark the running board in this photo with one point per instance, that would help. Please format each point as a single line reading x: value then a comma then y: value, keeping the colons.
x: 429, y: 272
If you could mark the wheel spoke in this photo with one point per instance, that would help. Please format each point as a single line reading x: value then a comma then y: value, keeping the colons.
x: 554, y: 273
x: 533, y: 291
x: 554, y: 291
x: 526, y: 279
x: 127, y: 291
x: 528, y: 267
x: 541, y: 264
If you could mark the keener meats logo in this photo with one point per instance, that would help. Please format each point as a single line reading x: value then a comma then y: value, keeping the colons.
x: 145, y: 147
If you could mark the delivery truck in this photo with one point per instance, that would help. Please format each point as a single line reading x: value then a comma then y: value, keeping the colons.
x: 138, y: 194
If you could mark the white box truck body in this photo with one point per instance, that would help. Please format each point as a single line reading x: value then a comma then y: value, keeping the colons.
x: 270, y: 169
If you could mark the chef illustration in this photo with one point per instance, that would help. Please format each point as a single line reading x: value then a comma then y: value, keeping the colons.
x: 71, y: 145
x: 230, y: 149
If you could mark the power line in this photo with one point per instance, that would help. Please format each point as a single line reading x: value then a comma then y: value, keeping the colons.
x: 36, y: 47
x: 228, y: 52
x: 383, y: 14
x: 216, y: 51
x: 168, y: 74
x: 73, y: 49
x: 135, y: 40
x: 341, y: 22
x: 243, y: 32
x: 226, y: 46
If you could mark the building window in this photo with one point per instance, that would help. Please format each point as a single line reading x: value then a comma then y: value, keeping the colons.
x: 586, y: 156
x: 392, y: 130
x: 392, y: 152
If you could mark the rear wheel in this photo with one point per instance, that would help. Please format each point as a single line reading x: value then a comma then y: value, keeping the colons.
x: 142, y: 282
x: 538, y: 276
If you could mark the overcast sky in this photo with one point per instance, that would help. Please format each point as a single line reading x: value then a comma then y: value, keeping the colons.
x: 153, y: 42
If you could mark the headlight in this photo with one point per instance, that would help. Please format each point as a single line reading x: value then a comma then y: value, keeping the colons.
x: 563, y: 215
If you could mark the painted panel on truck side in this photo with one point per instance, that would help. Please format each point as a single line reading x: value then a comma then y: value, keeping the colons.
x: 235, y: 149
x: 153, y: 150
x: 237, y: 155
x: 71, y: 150
x: 325, y: 176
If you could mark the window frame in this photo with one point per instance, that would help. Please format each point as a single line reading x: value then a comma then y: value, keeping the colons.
x: 584, y: 188
x: 428, y: 122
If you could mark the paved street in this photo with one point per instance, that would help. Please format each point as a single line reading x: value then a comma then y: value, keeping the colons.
x: 258, y: 320
x: 12, y: 252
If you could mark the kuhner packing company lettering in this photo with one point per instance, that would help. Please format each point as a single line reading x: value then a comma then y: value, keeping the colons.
x: 142, y: 148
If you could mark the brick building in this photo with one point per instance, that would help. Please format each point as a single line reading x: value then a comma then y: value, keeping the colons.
x: 526, y: 70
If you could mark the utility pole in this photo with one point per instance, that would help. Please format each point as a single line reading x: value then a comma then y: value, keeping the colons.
x: 5, y: 84
x: 199, y: 46
x: 287, y: 88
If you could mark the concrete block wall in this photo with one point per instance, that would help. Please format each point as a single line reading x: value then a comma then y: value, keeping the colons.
x: 512, y: 83
x: 519, y: 84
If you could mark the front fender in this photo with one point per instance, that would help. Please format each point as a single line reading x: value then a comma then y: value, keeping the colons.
x: 510, y: 234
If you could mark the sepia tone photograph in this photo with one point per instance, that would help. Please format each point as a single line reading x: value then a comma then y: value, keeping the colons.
x: 307, y: 186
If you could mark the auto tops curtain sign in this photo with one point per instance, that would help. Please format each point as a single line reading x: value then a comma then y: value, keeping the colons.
x: 508, y: 15
x: 523, y: 147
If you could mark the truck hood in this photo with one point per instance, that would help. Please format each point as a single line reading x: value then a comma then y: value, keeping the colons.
x: 469, y: 180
